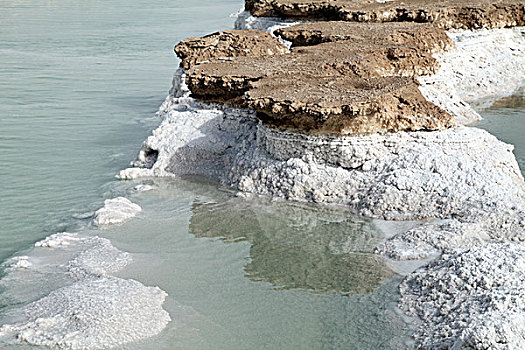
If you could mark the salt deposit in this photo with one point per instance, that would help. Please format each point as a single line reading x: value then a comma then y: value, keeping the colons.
x: 116, y: 211
x: 478, y: 67
x: 82, y: 306
x: 17, y: 262
x: 143, y: 188
x: 393, y: 176
x: 58, y: 240
x: 464, y: 177
x: 92, y: 314
x: 474, y: 299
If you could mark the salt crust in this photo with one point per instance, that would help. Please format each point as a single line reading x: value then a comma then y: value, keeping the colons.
x: 474, y: 299
x: 17, y: 262
x: 93, y: 314
x: 397, y: 176
x: 93, y: 310
x: 116, y: 211
x: 484, y: 63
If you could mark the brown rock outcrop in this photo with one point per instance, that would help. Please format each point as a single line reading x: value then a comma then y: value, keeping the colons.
x: 422, y: 36
x: 464, y: 14
x: 227, y: 44
x: 342, y: 76
x: 360, y: 82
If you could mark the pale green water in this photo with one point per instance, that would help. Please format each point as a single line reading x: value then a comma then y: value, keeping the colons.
x: 506, y: 120
x: 80, y: 82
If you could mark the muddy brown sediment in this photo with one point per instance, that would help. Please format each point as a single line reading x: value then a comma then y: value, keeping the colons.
x: 447, y: 14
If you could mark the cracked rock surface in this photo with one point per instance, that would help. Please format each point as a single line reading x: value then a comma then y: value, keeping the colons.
x: 359, y: 83
x: 447, y: 14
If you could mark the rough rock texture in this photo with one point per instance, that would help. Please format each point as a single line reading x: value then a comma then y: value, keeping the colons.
x: 474, y: 70
x: 361, y: 84
x: 474, y: 299
x: 394, y: 176
x: 413, y: 34
x: 462, y: 14
x: 227, y: 44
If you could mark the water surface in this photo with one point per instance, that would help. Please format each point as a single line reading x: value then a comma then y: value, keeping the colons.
x: 505, y: 119
x: 80, y: 82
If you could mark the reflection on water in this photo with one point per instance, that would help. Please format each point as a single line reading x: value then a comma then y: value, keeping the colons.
x: 515, y: 101
x: 297, y: 245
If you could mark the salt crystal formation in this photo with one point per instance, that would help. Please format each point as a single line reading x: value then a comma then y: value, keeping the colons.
x: 92, y: 309
x: 116, y: 211
x: 474, y: 299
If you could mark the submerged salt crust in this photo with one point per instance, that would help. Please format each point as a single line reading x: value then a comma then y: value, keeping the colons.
x: 92, y: 309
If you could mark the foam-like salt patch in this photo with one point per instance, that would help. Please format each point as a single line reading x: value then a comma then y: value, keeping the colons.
x: 60, y: 239
x: 93, y: 314
x: 144, y: 188
x: 95, y: 256
x: 17, y: 262
x: 116, y: 211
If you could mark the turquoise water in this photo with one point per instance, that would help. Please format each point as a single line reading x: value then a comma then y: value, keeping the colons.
x: 80, y: 82
x: 505, y: 119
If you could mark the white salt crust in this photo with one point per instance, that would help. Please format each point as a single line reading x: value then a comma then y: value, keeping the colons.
x: 17, y: 262
x: 471, y: 300
x: 398, y: 176
x: 93, y: 314
x: 92, y: 309
x: 484, y: 63
x: 116, y: 211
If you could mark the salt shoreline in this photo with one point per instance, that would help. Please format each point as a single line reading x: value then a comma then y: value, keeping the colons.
x: 230, y: 145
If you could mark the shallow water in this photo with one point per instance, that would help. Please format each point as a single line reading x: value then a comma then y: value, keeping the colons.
x: 244, y: 273
x: 80, y: 83
x: 505, y: 119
